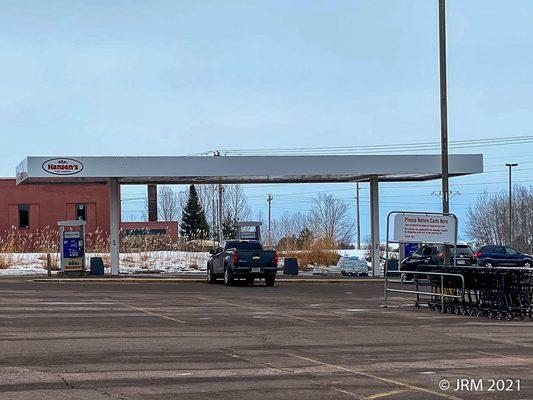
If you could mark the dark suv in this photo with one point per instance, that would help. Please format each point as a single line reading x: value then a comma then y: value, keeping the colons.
x: 433, y: 255
x: 502, y: 256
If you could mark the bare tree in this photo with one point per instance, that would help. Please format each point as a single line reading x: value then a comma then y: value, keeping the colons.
x: 330, y: 218
x: 169, y: 204
x: 236, y: 206
x: 488, y: 220
x: 289, y: 225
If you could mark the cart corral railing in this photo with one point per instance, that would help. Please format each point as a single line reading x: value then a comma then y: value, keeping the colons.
x: 416, y: 281
x: 496, y: 292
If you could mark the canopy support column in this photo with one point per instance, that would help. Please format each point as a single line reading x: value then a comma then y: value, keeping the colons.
x: 114, y: 225
x: 374, y: 226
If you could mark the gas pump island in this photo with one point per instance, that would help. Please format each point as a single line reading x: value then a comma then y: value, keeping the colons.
x: 72, y: 245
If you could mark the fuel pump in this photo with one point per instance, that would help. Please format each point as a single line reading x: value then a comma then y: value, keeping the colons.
x: 72, y: 245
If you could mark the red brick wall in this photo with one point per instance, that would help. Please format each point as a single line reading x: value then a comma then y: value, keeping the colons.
x: 52, y: 203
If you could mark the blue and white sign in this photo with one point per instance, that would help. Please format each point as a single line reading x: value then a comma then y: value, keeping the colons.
x: 408, y: 249
x: 72, y: 248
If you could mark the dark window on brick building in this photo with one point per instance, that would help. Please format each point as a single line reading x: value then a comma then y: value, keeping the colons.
x: 24, y: 216
x: 81, y: 212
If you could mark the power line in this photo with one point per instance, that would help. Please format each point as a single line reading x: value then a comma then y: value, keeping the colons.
x: 486, y: 142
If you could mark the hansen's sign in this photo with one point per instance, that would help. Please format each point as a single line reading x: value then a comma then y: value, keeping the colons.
x: 62, y: 166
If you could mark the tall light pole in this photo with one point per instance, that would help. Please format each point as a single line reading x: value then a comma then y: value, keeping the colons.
x: 510, y: 166
x: 444, y: 117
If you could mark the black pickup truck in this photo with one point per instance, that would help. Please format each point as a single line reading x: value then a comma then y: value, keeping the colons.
x: 242, y: 259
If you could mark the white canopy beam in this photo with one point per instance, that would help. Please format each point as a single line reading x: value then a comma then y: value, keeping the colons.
x: 114, y: 225
x: 374, y: 226
x: 242, y: 169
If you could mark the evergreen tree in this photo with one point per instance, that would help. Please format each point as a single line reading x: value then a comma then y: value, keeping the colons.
x: 305, y: 238
x: 228, y: 227
x: 193, y: 222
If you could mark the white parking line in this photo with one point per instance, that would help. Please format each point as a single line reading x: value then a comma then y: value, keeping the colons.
x: 148, y: 312
x: 368, y: 375
x: 386, y: 394
x: 74, y: 303
x: 351, y: 394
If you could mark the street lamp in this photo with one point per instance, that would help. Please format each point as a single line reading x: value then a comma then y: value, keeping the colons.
x: 510, y: 166
x: 444, y: 118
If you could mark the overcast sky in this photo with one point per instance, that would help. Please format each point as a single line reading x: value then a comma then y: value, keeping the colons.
x: 182, y: 77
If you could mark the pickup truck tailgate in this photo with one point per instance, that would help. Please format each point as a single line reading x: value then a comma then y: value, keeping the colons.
x: 256, y: 258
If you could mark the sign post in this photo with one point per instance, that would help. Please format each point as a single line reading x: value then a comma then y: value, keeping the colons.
x: 72, y: 245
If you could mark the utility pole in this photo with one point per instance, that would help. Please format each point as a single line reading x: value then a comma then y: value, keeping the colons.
x: 444, y: 117
x: 443, y: 107
x: 213, y: 210
x: 269, y: 200
x: 358, y: 220
x: 510, y: 166
x: 220, y: 212
x: 216, y: 153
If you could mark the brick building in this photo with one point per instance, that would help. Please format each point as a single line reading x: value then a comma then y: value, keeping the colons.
x: 29, y: 208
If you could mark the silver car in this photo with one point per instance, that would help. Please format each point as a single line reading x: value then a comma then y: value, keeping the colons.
x: 352, y: 266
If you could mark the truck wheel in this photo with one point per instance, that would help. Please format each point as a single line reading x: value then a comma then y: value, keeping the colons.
x: 210, y: 275
x: 228, y: 277
x: 250, y: 280
x: 270, y: 280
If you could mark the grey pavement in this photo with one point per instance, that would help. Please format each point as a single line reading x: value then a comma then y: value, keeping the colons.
x: 181, y: 340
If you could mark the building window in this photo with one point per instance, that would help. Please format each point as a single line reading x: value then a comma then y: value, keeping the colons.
x: 144, y: 232
x: 24, y: 216
x: 81, y: 212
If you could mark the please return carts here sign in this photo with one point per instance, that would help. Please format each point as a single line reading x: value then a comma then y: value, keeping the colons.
x: 422, y: 228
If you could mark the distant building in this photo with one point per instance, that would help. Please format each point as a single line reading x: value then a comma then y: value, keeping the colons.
x: 30, y: 208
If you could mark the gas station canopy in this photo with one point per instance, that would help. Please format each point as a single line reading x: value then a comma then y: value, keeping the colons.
x: 243, y: 169
x: 115, y: 171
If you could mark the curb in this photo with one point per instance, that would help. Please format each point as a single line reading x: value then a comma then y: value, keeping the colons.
x: 189, y: 280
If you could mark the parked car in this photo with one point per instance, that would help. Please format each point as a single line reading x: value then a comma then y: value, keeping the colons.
x: 325, y: 271
x: 434, y: 255
x: 502, y: 256
x: 352, y: 266
x: 242, y: 259
x: 429, y: 255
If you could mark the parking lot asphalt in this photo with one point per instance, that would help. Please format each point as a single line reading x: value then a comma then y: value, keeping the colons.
x: 123, y: 340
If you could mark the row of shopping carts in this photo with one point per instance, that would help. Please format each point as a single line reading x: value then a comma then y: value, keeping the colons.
x: 500, y: 292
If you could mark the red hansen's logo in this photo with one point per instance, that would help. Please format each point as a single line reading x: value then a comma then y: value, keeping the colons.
x: 62, y: 166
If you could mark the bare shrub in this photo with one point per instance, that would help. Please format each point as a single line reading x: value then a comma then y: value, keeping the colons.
x: 6, y: 260
x: 320, y: 252
x: 97, y: 241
